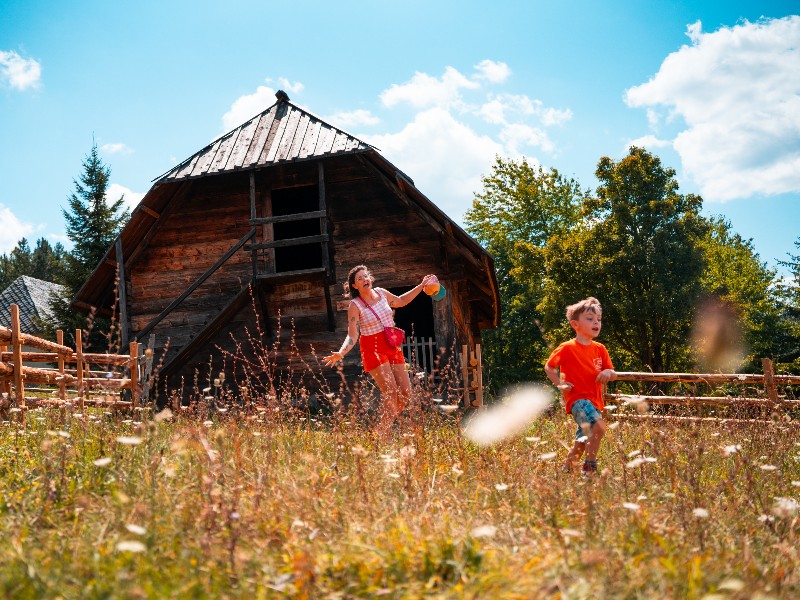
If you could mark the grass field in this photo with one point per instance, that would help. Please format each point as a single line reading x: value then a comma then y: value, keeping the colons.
x: 274, y: 504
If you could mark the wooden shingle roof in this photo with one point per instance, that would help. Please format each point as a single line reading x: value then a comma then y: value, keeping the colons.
x: 33, y: 298
x: 282, y: 133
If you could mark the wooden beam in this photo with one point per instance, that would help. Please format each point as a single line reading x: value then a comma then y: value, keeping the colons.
x: 149, y: 211
x: 285, y: 274
x: 124, y: 318
x: 314, y: 214
x: 205, y: 334
x: 720, y: 400
x: 309, y: 239
x: 16, y: 348
x: 197, y: 283
x: 253, y: 214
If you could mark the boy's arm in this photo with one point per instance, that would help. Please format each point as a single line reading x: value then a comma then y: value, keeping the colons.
x: 554, y: 377
x: 606, y: 375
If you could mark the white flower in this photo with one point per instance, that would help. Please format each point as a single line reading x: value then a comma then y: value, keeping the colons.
x: 547, y: 456
x: 630, y: 506
x: 101, y: 462
x: 501, y: 487
x: 636, y: 462
x: 571, y: 533
x: 393, y: 475
x: 732, y: 449
x: 359, y: 450
x: 137, y: 529
x: 785, y: 507
x: 164, y: 415
x: 129, y: 440
x: 407, y: 452
x: 768, y: 468
x: 700, y: 513
x: 457, y: 469
x: 634, y: 453
x: 131, y: 546
x: 64, y: 434
x: 208, y: 423
x: 484, y: 531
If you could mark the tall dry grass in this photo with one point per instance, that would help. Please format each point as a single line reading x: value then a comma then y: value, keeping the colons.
x: 270, y: 501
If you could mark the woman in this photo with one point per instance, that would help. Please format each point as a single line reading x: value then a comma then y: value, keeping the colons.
x: 370, y: 311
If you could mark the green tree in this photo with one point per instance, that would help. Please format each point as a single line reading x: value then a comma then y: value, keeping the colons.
x: 92, y: 224
x: 638, y: 249
x: 44, y: 262
x: 518, y: 210
x: 790, y: 303
x: 735, y: 276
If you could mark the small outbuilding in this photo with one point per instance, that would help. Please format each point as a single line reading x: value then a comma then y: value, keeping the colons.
x: 265, y: 222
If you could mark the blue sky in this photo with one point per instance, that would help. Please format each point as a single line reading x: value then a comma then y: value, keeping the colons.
x: 440, y: 87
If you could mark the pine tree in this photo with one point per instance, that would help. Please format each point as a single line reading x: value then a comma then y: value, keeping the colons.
x: 92, y: 224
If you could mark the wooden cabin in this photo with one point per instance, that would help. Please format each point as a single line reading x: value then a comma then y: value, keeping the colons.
x: 267, y: 220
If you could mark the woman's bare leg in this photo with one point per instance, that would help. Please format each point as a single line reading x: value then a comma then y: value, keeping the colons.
x: 385, y: 380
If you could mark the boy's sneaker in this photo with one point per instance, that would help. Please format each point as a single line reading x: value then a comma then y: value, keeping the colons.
x: 589, y: 468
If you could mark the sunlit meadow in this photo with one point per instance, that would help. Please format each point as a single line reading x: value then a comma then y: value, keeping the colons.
x: 275, y: 502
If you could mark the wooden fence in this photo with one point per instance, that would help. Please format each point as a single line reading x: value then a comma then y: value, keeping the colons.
x: 767, y: 392
x: 78, y: 378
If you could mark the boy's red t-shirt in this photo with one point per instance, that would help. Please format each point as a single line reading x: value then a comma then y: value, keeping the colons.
x: 579, y: 366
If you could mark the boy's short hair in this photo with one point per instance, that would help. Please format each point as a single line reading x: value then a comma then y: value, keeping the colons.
x: 574, y: 311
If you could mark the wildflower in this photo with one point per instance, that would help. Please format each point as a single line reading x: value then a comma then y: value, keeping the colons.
x: 636, y: 462
x: 634, y: 453
x: 568, y: 533
x: 532, y: 439
x: 613, y: 425
x: 732, y: 449
x: 420, y: 375
x: 796, y: 484
x: 611, y: 407
x: 456, y: 468
x: 438, y: 400
x: 768, y: 468
x: 484, y: 531
x: 448, y: 408
x: 64, y: 434
x: 101, y: 462
x: 131, y: 546
x: 511, y: 417
x: 359, y: 450
x: 501, y: 487
x: 785, y: 507
x: 164, y: 415
x: 766, y: 518
x: 407, y: 452
x: 129, y: 440
x: 630, y: 506
x: 732, y: 585
x: 208, y: 423
x: 700, y: 513
x: 547, y: 456
x: 393, y: 475
x: 137, y: 529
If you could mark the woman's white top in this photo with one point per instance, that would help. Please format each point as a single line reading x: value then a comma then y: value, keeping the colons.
x: 367, y: 322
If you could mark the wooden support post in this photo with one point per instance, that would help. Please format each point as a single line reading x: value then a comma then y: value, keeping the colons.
x: 465, y: 376
x: 769, y: 380
x: 253, y: 215
x: 478, y: 377
x: 5, y: 386
x: 62, y: 387
x: 124, y: 326
x: 16, y: 348
x: 134, y: 374
x: 79, y: 366
x: 148, y: 367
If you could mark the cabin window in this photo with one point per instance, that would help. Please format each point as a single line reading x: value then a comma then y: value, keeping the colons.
x: 290, y: 201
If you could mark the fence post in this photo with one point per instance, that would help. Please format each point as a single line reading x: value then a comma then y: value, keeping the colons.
x: 16, y: 348
x: 769, y: 380
x: 79, y: 366
x: 62, y: 387
x: 134, y: 369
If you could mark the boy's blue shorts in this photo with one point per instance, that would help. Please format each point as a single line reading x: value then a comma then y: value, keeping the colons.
x: 584, y: 412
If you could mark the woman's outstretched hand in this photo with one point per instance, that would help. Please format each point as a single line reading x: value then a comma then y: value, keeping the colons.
x: 333, y: 358
x: 426, y: 280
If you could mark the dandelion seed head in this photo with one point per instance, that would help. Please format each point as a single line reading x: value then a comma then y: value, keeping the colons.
x: 519, y: 407
x: 137, y: 529
x: 101, y: 462
x: 129, y: 440
x: 131, y: 546
x: 700, y: 513
x: 484, y: 531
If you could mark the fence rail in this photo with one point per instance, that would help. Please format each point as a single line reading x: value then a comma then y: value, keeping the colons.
x: 71, y: 385
x: 767, y: 396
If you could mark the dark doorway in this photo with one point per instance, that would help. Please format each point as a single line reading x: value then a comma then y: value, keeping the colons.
x: 290, y: 201
x: 415, y: 318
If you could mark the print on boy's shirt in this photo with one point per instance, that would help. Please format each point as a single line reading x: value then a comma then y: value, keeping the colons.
x: 598, y: 363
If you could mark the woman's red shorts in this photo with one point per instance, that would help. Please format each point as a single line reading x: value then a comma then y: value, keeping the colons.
x: 375, y: 351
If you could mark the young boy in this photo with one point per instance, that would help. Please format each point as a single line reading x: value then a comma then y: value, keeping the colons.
x: 584, y: 365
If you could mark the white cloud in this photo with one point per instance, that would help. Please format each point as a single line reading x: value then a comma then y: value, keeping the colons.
x: 248, y: 106
x: 21, y: 73
x: 648, y: 141
x: 495, y: 72
x: 353, y: 118
x: 11, y: 229
x: 116, y: 190
x: 517, y: 135
x: 424, y: 91
x: 445, y: 157
x: 738, y: 93
x: 505, y: 108
x: 118, y: 148
x: 288, y: 86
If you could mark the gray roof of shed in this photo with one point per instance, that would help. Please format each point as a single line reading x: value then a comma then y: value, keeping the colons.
x: 282, y: 133
x: 33, y: 298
